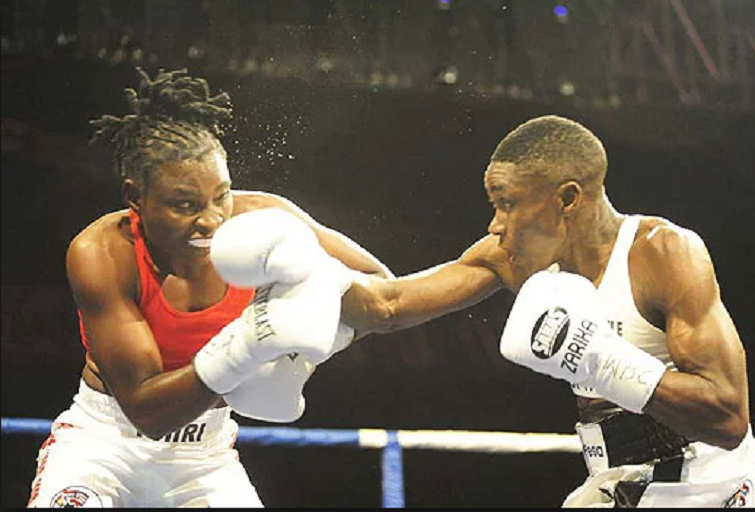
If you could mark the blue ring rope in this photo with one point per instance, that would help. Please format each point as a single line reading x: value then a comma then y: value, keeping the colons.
x: 392, y: 478
x: 393, y: 473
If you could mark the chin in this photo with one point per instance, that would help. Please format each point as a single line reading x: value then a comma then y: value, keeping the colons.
x: 198, y: 253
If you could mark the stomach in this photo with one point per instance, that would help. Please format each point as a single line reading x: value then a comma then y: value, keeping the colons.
x: 91, y: 377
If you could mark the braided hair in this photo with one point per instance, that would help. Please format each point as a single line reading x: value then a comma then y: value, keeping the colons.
x: 173, y: 118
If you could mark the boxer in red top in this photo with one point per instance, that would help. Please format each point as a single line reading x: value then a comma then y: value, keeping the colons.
x: 169, y: 342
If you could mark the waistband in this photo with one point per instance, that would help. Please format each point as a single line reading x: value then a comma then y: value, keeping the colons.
x: 98, y: 410
x: 625, y: 439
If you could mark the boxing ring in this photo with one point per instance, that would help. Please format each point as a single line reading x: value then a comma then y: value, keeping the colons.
x: 391, y: 442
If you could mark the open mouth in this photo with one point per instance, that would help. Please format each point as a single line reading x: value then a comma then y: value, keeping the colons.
x: 200, y: 242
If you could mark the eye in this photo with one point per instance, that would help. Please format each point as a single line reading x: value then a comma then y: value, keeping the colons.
x: 184, y: 206
x: 503, y: 205
x: 223, y: 197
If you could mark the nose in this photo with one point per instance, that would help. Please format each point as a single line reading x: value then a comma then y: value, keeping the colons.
x: 209, y: 221
x: 497, y: 225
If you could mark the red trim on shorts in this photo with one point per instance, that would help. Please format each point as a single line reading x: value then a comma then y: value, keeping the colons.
x: 37, y: 483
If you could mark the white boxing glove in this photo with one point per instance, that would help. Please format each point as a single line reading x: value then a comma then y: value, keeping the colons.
x: 297, y: 303
x: 227, y: 358
x: 297, y: 314
x: 344, y: 337
x: 283, y: 318
x: 303, y: 317
x: 275, y: 392
x: 263, y: 247
x: 556, y: 327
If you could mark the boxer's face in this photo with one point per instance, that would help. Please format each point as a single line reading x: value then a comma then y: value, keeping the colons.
x: 527, y: 216
x: 185, y: 203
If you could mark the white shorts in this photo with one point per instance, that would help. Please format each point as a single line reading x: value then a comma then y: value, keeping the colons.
x: 95, y: 458
x: 710, y: 477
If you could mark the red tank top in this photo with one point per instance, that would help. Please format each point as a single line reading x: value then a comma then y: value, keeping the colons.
x: 179, y: 335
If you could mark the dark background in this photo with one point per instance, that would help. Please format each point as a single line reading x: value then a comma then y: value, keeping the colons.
x: 368, y: 139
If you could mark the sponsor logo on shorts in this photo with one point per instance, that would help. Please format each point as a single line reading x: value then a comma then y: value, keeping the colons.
x: 742, y: 497
x: 549, y: 332
x: 76, y: 496
x: 191, y: 433
x: 592, y: 450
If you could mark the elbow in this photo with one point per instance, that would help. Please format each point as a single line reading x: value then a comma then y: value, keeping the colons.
x: 386, y: 317
x: 735, y: 421
x: 151, y: 427
x: 733, y: 431
x: 148, y: 427
x: 152, y: 432
x: 731, y: 439
x: 154, y: 436
x: 367, y: 309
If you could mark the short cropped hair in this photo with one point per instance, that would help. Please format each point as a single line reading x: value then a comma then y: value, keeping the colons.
x: 556, y: 149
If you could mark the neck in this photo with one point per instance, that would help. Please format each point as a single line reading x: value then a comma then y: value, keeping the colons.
x: 186, y: 268
x: 591, y: 235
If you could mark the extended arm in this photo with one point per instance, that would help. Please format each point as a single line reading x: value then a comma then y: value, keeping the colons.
x: 377, y: 305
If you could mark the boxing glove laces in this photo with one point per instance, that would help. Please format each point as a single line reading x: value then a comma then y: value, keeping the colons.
x: 296, y: 308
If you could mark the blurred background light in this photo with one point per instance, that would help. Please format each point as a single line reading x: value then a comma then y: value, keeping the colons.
x: 562, y: 13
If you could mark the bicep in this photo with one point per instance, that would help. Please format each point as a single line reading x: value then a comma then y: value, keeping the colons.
x: 701, y: 336
x: 351, y: 253
x: 120, y: 340
x: 337, y: 244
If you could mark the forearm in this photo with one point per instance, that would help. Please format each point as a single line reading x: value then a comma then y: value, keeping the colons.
x: 699, y: 409
x: 707, y: 398
x: 375, y: 305
x: 382, y: 306
x: 167, y: 402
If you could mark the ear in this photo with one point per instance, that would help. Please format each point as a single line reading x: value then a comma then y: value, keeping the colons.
x: 571, y: 195
x: 132, y: 194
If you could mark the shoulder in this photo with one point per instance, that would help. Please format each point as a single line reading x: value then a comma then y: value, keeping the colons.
x: 667, y: 261
x: 102, y: 254
x: 249, y: 200
x: 665, y: 242
x: 106, y: 233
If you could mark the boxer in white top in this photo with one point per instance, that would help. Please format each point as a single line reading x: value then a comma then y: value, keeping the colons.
x: 629, y: 314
